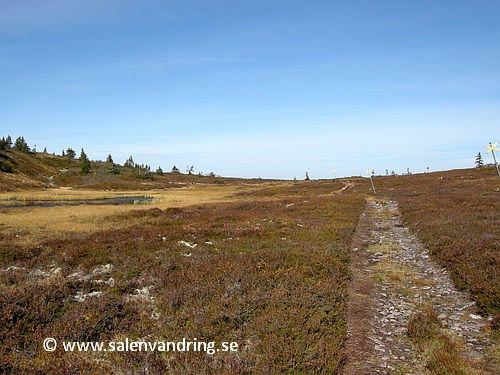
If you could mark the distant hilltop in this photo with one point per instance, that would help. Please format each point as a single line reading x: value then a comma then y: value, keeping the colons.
x: 23, y: 167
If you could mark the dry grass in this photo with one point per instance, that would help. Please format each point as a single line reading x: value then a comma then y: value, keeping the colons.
x: 441, y: 353
x: 394, y: 273
x: 91, y: 218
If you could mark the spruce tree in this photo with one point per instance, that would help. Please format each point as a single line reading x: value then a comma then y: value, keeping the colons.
x: 70, y: 153
x: 85, y: 166
x: 21, y: 145
x: 129, y: 162
x: 479, y: 161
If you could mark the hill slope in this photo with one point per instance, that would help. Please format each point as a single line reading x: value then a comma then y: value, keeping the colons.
x: 24, y: 171
x: 21, y: 171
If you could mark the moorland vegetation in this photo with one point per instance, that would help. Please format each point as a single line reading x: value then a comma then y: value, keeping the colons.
x: 264, y: 264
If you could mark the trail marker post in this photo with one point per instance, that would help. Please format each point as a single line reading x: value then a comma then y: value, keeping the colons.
x: 371, y: 172
x: 492, y: 148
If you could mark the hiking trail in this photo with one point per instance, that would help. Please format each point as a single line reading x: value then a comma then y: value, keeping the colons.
x: 393, y: 278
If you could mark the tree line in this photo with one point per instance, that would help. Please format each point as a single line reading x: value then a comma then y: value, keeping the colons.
x: 140, y: 171
x: 20, y: 144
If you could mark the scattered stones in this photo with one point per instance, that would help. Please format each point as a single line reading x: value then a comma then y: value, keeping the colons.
x: 187, y: 244
x: 80, y: 296
x: 102, y: 269
x: 99, y: 271
x: 143, y: 294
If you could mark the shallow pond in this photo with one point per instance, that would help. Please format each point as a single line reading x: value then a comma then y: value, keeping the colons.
x: 112, y: 201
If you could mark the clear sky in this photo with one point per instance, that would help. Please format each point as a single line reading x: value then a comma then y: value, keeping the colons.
x: 268, y: 88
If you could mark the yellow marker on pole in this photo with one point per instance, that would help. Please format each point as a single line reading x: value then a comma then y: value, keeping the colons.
x: 492, y: 148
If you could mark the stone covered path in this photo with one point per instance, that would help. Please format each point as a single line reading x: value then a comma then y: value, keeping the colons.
x: 393, y: 279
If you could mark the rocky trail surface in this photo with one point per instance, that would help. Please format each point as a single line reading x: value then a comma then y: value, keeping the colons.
x: 394, y: 278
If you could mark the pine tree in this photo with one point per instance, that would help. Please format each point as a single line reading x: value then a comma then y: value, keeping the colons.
x: 70, y: 153
x: 85, y: 167
x: 129, y: 162
x: 159, y: 171
x: 109, y: 159
x: 21, y: 145
x: 113, y: 169
x: 142, y: 171
x: 175, y: 169
x: 479, y: 161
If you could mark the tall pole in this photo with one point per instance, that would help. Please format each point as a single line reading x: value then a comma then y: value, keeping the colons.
x: 371, y: 172
x: 373, y: 186
x: 495, y: 159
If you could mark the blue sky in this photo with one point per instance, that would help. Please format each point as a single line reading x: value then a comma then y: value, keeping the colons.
x: 267, y: 88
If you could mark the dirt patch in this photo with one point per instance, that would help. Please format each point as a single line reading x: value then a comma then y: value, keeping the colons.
x: 362, y: 301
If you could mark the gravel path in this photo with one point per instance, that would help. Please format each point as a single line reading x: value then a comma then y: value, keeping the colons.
x: 393, y: 279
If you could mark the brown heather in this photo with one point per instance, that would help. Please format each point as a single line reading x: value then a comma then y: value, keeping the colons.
x: 261, y: 263
x: 270, y: 275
